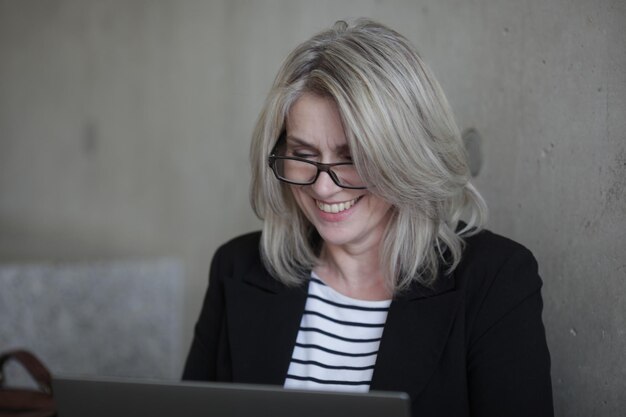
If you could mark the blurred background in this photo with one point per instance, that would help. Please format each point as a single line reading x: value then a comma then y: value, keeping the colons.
x: 124, y: 134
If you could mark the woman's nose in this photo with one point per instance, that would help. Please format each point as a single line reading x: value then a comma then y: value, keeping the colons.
x: 324, y: 185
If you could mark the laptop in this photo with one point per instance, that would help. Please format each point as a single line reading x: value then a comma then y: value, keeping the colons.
x: 81, y: 397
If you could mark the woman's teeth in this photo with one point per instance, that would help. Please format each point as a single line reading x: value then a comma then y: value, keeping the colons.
x: 336, y: 207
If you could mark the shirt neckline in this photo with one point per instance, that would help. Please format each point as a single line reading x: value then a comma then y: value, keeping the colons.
x: 350, y: 300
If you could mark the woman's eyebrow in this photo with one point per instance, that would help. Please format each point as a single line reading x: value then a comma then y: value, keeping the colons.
x: 297, y: 141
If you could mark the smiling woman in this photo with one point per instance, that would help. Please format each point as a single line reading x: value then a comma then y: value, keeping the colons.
x: 398, y: 130
x: 365, y: 276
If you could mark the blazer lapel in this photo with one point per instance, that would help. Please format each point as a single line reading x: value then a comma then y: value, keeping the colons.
x: 417, y: 328
x: 263, y: 319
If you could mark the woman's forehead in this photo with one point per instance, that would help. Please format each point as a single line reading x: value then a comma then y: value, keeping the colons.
x: 315, y: 121
x: 338, y: 145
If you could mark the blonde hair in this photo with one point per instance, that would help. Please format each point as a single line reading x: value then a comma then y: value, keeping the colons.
x: 403, y: 141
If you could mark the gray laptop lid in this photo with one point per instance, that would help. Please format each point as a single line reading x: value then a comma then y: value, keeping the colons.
x: 128, y: 398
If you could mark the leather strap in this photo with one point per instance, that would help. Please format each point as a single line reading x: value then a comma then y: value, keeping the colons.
x: 32, y: 364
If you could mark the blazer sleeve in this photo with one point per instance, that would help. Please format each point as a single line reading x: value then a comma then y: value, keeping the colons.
x: 508, y: 359
x: 208, y: 356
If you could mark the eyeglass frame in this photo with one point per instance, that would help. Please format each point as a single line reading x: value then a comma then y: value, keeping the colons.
x: 321, y: 167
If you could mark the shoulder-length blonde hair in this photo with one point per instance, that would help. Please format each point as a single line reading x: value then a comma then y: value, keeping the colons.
x: 403, y: 141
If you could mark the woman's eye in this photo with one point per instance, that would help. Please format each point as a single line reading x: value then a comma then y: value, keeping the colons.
x: 305, y: 155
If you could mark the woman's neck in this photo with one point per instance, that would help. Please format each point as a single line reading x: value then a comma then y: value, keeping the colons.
x: 354, y: 272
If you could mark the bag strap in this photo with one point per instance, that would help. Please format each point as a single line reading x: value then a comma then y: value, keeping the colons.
x: 32, y: 364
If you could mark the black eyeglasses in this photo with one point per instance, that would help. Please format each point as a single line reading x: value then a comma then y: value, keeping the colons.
x: 301, y: 171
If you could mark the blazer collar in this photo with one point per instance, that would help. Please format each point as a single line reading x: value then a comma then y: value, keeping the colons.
x: 263, y: 321
x: 258, y: 276
x: 416, y: 332
x: 443, y: 284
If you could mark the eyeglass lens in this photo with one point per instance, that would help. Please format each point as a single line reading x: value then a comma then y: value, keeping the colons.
x: 303, y: 172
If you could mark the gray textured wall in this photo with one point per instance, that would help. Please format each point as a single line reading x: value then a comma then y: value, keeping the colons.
x: 124, y: 128
x: 118, y: 319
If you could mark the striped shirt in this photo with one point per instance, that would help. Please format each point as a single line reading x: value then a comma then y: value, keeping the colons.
x: 337, y: 342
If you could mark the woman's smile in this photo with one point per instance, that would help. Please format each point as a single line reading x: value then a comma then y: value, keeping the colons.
x: 336, y: 207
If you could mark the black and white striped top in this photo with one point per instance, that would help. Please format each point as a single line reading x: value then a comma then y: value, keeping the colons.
x: 338, y: 341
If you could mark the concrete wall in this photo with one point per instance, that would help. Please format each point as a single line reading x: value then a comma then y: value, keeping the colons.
x: 124, y: 130
x: 117, y: 319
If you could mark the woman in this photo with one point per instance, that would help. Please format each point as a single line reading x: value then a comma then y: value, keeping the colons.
x: 364, y: 276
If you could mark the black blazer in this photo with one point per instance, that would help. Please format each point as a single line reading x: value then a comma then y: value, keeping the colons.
x: 473, y: 345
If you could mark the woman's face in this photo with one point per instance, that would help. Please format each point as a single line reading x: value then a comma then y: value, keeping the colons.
x: 344, y: 217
